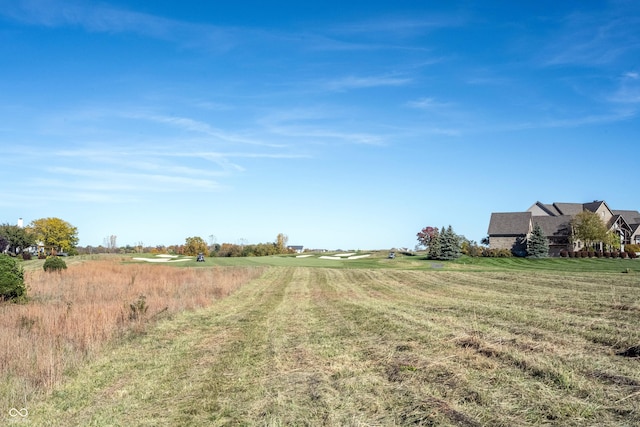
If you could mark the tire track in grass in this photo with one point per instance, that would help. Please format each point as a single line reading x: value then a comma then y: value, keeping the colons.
x: 353, y: 347
x: 194, y: 369
x: 377, y: 350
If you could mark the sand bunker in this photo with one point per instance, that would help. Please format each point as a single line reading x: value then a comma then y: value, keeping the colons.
x: 344, y: 256
x: 164, y: 258
x: 359, y: 256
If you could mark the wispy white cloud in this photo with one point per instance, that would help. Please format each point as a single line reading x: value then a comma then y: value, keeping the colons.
x: 326, y: 134
x: 355, y: 82
x: 321, y: 125
x: 427, y: 103
x: 596, y: 38
x: 399, y: 26
x: 560, y: 123
x: 628, y: 91
x: 100, y: 17
x: 193, y: 125
x: 118, y: 180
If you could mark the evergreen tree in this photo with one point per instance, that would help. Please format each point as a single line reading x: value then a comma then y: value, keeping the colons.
x: 434, y: 245
x: 12, y: 285
x: 537, y: 244
x: 449, y: 244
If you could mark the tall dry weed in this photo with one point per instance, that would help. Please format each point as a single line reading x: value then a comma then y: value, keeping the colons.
x: 72, y: 314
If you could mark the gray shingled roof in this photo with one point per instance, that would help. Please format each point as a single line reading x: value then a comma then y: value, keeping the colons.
x: 553, y: 225
x: 551, y: 209
x: 509, y: 223
x: 593, y: 206
x: 569, y: 208
x: 632, y: 217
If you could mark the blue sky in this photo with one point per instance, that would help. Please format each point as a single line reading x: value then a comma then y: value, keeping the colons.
x: 341, y: 125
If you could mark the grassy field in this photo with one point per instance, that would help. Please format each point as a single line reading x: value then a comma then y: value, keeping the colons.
x: 97, y: 300
x: 378, y: 259
x: 373, y: 342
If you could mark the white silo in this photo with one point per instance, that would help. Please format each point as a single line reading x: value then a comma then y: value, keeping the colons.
x: 20, y: 223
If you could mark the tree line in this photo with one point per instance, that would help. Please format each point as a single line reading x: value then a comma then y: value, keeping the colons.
x: 444, y: 244
x: 46, y: 235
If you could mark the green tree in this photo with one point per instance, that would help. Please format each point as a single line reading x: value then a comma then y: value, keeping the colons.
x: 12, y: 286
x: 449, y: 244
x: 54, y: 264
x: 537, y: 244
x: 54, y: 233
x: 435, y: 247
x: 17, y: 238
x: 612, y: 240
x: 588, y: 228
x: 195, y: 245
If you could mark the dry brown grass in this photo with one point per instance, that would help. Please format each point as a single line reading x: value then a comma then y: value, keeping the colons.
x: 71, y: 315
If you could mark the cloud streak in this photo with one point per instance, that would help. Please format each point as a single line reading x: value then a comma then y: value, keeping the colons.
x: 102, y: 18
x: 355, y: 82
x: 596, y: 39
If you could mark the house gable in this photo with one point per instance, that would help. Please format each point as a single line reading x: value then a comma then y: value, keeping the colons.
x: 601, y: 209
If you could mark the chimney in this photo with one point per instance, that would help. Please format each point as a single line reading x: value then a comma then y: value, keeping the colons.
x: 20, y: 223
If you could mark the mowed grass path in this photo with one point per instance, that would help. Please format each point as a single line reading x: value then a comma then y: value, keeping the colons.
x: 359, y: 347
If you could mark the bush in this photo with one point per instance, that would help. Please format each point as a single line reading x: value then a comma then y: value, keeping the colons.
x: 11, y: 279
x: 632, y: 247
x: 623, y: 254
x: 496, y: 253
x: 564, y: 253
x: 26, y: 256
x: 54, y: 263
x: 632, y: 255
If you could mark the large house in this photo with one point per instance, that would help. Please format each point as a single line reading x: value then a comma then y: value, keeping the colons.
x: 510, y: 230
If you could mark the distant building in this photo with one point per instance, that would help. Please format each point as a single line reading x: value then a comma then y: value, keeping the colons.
x: 510, y: 230
x: 296, y: 249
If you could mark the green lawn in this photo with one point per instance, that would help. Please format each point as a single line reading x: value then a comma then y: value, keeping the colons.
x: 379, y: 259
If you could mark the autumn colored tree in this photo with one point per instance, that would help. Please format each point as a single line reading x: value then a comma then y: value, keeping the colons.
x: 427, y: 235
x: 54, y: 233
x: 281, y: 243
x: 194, y: 246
